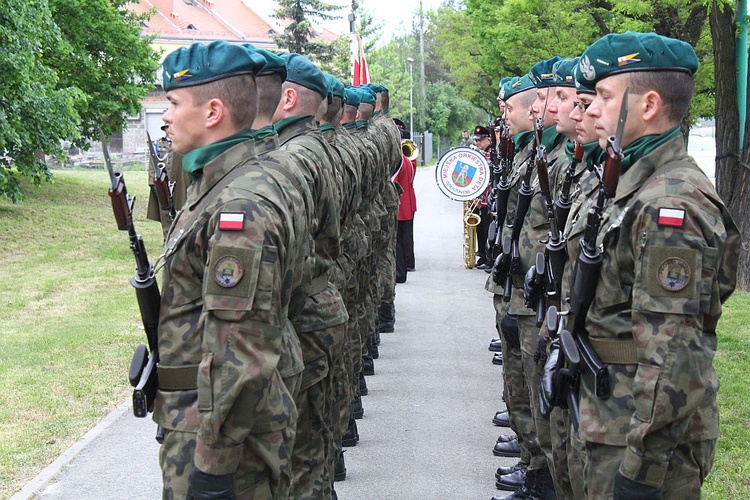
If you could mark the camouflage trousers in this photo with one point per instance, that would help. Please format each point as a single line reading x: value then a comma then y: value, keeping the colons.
x: 564, y: 462
x: 514, y: 384
x: 688, y: 467
x: 387, y: 257
x: 263, y: 473
x: 322, y: 349
x: 538, y: 434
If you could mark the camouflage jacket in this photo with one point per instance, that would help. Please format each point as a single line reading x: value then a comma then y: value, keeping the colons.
x: 229, y: 262
x: 324, y: 307
x: 670, y: 257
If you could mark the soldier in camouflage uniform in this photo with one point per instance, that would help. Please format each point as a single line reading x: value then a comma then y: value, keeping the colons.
x: 228, y: 263
x: 386, y: 128
x: 322, y: 323
x: 518, y: 95
x: 670, y: 255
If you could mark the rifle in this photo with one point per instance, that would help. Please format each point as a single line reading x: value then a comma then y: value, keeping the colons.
x: 162, y: 186
x: 543, y: 283
x: 142, y: 370
x: 564, y: 199
x: 502, y: 161
x: 591, y: 369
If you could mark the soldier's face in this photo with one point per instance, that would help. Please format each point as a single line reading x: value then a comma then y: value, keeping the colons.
x: 541, y: 105
x: 560, y: 107
x: 517, y: 116
x: 605, y: 110
x: 185, y: 120
x: 584, y: 123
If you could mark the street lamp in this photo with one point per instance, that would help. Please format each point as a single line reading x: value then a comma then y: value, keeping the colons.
x: 411, y: 98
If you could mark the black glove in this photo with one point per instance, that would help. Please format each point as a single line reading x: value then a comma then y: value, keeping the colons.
x: 204, y: 486
x: 541, y: 350
x: 547, y: 394
x: 627, y: 489
x: 509, y: 329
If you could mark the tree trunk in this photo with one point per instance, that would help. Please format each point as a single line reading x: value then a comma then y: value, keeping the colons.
x: 732, y: 177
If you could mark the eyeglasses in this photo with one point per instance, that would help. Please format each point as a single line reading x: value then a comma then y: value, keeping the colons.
x: 582, y: 106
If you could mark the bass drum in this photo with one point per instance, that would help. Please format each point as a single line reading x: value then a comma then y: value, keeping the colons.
x: 463, y: 173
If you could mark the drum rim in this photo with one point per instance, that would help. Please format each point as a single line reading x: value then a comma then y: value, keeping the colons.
x: 482, y: 159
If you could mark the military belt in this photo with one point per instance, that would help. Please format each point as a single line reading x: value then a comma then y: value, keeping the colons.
x: 615, y: 351
x: 318, y: 284
x: 178, y: 378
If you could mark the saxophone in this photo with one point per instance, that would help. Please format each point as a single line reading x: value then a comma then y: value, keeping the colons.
x: 471, y: 221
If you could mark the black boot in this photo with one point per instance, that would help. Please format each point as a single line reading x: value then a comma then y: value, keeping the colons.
x: 376, y: 338
x: 339, y: 471
x: 372, y: 349
x: 368, y: 366
x: 362, y: 384
x: 351, y: 436
x: 386, y: 317
x: 542, y: 486
x: 355, y: 407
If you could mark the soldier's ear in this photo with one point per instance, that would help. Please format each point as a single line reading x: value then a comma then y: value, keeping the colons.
x: 651, y: 105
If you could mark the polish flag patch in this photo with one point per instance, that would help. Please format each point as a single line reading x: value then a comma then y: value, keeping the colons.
x: 231, y: 221
x: 671, y: 217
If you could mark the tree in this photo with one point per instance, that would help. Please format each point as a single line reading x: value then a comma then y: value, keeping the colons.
x: 732, y: 164
x: 109, y: 61
x: 36, y: 110
x: 68, y: 67
x: 298, y: 36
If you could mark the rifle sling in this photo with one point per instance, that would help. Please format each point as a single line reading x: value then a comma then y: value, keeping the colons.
x: 615, y: 351
x: 178, y: 378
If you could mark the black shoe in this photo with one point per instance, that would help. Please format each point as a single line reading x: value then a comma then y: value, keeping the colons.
x: 386, y: 317
x: 334, y: 496
x: 507, y: 449
x: 502, y: 471
x: 482, y: 266
x: 351, y: 436
x: 496, y: 345
x: 497, y: 358
x: 540, y: 484
x: 339, y: 471
x: 376, y: 338
x: 399, y: 279
x: 520, y: 493
x: 368, y: 366
x: 374, y: 352
x: 501, y: 418
x: 362, y: 384
x: 512, y: 481
x: 504, y: 438
x: 355, y: 407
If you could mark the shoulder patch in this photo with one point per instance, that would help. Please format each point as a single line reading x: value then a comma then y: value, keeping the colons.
x: 673, y: 274
x: 228, y: 271
x: 231, y: 221
x: 671, y: 217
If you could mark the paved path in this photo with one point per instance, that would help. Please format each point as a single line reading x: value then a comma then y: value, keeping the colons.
x: 427, y: 430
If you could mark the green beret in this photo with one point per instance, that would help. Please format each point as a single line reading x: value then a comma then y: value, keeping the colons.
x: 352, y: 97
x: 302, y: 71
x: 623, y: 52
x: 377, y: 88
x: 366, y: 95
x: 274, y: 63
x: 503, y: 81
x: 582, y: 87
x: 201, y: 63
x: 563, y: 72
x: 541, y: 73
x: 516, y: 85
x: 335, y: 86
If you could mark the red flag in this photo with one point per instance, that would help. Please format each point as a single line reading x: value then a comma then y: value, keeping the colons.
x: 360, y: 72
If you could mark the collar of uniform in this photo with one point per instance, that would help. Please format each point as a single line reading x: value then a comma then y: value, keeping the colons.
x: 264, y: 132
x: 551, y: 138
x: 671, y: 145
x: 349, y: 125
x: 327, y: 126
x: 220, y: 166
x: 522, y: 139
x: 267, y: 143
x: 360, y: 124
x: 289, y: 121
x: 194, y: 161
x: 643, y: 146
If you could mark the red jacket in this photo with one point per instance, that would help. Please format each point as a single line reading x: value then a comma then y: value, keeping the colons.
x: 405, y: 178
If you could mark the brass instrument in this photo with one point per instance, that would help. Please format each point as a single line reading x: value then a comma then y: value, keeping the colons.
x: 471, y: 221
x: 409, y: 149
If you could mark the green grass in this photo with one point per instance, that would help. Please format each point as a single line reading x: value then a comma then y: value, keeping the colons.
x: 70, y: 322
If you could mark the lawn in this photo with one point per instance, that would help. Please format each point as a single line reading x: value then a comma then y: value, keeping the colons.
x: 70, y: 323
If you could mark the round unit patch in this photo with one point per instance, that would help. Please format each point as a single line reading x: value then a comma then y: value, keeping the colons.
x: 228, y: 271
x: 673, y: 274
x: 463, y: 173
